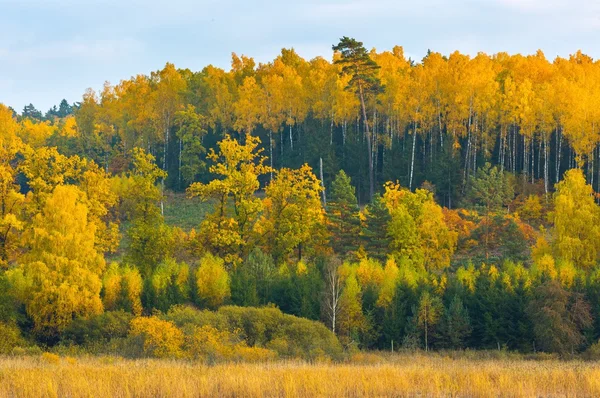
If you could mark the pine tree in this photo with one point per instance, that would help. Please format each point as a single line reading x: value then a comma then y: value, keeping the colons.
x: 343, y: 215
x: 374, y: 236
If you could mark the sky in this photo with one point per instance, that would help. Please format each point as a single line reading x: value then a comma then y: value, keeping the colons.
x: 55, y: 49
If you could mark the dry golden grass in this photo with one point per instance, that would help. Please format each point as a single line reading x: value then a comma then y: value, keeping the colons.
x: 367, y: 375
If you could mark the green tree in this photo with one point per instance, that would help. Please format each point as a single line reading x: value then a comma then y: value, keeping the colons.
x: 364, y: 81
x: 374, y: 235
x: 490, y: 190
x: 343, y: 215
x: 455, y: 326
x: 150, y: 239
x: 191, y: 130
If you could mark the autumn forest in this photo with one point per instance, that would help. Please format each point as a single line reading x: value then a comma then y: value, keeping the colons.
x: 308, y: 209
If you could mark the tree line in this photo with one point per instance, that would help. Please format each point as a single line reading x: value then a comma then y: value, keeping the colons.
x: 82, y: 199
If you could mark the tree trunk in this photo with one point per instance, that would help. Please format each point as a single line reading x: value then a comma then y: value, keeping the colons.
x: 271, y: 152
x: 179, y: 173
x: 322, y: 183
x: 369, y: 149
x: 412, y: 158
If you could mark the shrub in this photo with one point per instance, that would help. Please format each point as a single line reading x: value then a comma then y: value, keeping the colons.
x: 264, y: 328
x: 98, y: 330
x: 185, y: 316
x: 160, y: 339
x: 10, y: 337
x: 212, y: 345
x: 288, y: 335
x: 212, y: 281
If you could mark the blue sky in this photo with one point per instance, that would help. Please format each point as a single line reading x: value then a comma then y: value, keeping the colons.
x: 54, y: 49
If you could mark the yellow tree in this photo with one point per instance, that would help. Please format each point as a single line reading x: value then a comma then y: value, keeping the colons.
x: 417, y: 228
x: 219, y: 95
x: 394, y: 75
x: 63, y: 264
x: 11, y: 199
x: 212, y: 281
x: 138, y: 103
x: 169, y: 88
x: 36, y: 134
x: 45, y: 168
x: 576, y: 221
x: 122, y: 289
x: 420, y: 110
x: 228, y: 230
x: 352, y: 321
x: 293, y: 217
x: 247, y: 108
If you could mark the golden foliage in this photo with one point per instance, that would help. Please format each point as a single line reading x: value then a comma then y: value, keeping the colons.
x: 161, y: 339
x: 212, y: 281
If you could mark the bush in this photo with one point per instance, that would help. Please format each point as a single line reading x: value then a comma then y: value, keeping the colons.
x: 158, y: 338
x: 97, y: 330
x: 184, y: 316
x: 593, y: 352
x: 212, y: 345
x: 10, y: 337
x: 288, y: 335
x: 265, y: 328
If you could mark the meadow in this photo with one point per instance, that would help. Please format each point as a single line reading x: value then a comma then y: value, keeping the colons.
x: 397, y: 375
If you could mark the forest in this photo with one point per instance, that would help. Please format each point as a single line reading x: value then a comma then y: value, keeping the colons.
x: 308, y: 209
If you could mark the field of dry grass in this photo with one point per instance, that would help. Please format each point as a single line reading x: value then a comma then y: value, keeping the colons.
x: 366, y: 375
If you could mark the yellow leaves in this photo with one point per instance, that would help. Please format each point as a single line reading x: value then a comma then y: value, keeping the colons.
x: 566, y: 274
x: 36, y: 134
x: 69, y: 128
x: 45, y: 168
x: 236, y: 207
x: 11, y: 213
x: 418, y: 228
x: 301, y: 268
x: 161, y: 339
x: 111, y: 284
x: 122, y: 283
x: 531, y: 209
x: 248, y: 107
x: 389, y: 283
x: 370, y: 272
x: 9, y: 142
x: 576, y: 221
x: 212, y: 281
x: 293, y: 213
x: 467, y: 277
x: 546, y: 266
x: 63, y: 264
x: 212, y: 345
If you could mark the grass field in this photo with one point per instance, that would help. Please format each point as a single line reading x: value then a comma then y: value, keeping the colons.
x: 365, y: 375
x: 183, y: 212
